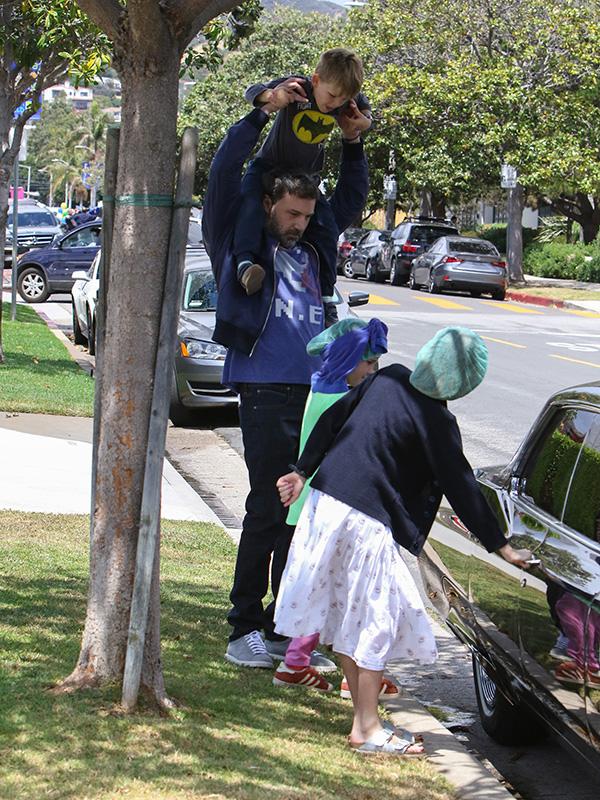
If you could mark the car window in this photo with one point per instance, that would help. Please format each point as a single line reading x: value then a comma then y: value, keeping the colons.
x: 32, y: 219
x: 399, y: 233
x: 474, y: 246
x: 582, y: 510
x: 438, y: 247
x: 363, y: 239
x: 88, y: 237
x: 549, y: 470
x: 199, y: 291
x: 426, y: 234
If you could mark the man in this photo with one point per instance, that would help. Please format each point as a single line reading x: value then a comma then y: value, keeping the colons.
x: 266, y: 335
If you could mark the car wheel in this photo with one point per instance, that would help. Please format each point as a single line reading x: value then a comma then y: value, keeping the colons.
x: 475, y: 294
x: 412, y: 284
x: 32, y: 285
x: 347, y: 269
x: 91, y: 326
x: 394, y: 277
x: 78, y: 337
x: 431, y: 287
x: 504, y: 722
x: 500, y: 294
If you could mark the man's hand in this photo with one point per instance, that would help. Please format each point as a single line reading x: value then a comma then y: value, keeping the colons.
x: 353, y: 122
x: 520, y: 558
x: 289, y: 487
x: 290, y: 91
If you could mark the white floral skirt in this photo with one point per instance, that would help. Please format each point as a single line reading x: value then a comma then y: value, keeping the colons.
x: 345, y: 579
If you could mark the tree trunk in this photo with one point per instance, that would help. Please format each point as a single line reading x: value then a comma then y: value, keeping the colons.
x: 438, y: 205
x: 514, y: 234
x: 135, y: 288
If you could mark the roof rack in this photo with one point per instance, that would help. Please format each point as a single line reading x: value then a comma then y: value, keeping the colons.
x: 421, y: 218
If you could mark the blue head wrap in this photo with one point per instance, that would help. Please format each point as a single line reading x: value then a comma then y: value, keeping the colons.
x: 343, y: 348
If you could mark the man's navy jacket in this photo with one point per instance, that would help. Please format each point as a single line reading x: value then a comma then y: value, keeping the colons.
x: 241, y: 319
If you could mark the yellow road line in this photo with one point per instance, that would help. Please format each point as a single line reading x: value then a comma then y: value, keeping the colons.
x: 576, y: 361
x: 580, y: 313
x: 516, y: 307
x: 502, y: 341
x: 378, y: 300
x: 439, y: 301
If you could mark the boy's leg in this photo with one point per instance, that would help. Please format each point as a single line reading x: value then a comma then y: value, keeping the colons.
x: 322, y: 233
x: 247, y: 236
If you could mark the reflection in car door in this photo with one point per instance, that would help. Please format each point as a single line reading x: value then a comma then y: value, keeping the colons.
x: 75, y: 253
x: 559, y: 627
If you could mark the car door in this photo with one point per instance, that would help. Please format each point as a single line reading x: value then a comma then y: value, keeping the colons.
x: 423, y: 263
x: 74, y: 252
x: 360, y: 254
x: 556, y: 504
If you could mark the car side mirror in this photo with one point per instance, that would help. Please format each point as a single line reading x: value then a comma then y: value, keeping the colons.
x: 358, y: 299
x: 80, y: 275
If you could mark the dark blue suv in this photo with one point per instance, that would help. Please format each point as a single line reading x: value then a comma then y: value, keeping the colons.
x: 49, y: 270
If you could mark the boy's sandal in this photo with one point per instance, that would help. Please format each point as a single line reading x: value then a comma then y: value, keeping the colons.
x: 385, y: 743
x: 402, y: 733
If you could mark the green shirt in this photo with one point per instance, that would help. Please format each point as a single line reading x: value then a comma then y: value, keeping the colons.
x: 316, y: 404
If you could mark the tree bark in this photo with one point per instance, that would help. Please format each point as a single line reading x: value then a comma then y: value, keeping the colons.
x: 146, y: 169
x: 582, y: 209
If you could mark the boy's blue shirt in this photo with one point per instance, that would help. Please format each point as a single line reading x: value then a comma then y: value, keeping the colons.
x: 240, y: 319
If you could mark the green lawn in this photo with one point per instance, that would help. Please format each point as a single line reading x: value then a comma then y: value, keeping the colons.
x: 557, y: 292
x: 38, y: 374
x: 234, y: 736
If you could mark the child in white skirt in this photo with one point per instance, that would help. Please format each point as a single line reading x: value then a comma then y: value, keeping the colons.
x: 386, y: 453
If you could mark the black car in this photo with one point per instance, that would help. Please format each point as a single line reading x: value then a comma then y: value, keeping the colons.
x: 408, y: 240
x: 49, y: 270
x: 346, y: 241
x: 365, y: 258
x: 535, y: 635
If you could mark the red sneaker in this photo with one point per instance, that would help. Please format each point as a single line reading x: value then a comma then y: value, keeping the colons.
x: 388, y: 689
x: 302, y: 677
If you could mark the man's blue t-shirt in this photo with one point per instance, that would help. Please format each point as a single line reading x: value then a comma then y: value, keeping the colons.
x: 296, y: 315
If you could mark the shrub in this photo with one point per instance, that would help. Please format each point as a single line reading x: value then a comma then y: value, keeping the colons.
x: 557, y: 260
x: 496, y: 234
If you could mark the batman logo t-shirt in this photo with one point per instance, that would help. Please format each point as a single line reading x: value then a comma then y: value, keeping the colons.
x: 299, y: 131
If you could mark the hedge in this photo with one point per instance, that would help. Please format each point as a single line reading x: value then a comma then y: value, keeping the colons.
x: 557, y: 260
x: 496, y: 234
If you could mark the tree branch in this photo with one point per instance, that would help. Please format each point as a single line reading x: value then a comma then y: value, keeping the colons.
x: 105, y: 13
x: 190, y: 16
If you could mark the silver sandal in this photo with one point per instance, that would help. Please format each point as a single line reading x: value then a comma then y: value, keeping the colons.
x: 382, y: 742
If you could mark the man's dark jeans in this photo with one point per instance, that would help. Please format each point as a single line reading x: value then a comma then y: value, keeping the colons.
x: 270, y: 419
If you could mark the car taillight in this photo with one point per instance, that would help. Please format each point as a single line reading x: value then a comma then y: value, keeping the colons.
x: 345, y: 247
x: 451, y: 260
x: 407, y: 247
x: 499, y: 264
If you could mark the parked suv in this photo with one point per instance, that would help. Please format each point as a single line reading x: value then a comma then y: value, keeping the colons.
x: 534, y: 635
x: 37, y: 227
x: 49, y: 270
x: 411, y: 238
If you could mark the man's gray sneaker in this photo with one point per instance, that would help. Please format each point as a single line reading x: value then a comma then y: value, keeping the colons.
x: 321, y: 663
x: 277, y: 651
x: 249, y: 651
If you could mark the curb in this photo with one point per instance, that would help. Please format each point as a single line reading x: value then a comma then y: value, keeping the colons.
x: 469, y: 777
x: 83, y: 360
x: 537, y: 300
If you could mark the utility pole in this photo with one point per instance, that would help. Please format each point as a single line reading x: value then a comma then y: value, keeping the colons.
x: 390, y: 191
x: 514, y: 228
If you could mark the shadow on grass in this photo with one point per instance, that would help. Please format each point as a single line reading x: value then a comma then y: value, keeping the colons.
x: 234, y: 736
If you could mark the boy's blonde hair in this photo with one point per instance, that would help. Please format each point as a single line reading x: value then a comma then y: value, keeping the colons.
x: 342, y: 68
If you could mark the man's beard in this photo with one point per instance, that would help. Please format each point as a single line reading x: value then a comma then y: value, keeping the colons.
x: 286, y: 238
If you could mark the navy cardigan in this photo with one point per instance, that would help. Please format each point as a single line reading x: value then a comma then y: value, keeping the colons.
x: 240, y: 319
x: 391, y: 452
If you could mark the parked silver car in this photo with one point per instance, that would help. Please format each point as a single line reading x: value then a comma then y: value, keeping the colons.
x: 460, y: 263
x: 198, y: 364
x: 37, y: 227
x: 535, y: 635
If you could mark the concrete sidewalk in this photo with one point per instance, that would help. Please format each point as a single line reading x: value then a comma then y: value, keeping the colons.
x: 47, y: 464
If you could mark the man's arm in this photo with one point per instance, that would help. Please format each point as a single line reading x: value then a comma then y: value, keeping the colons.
x: 350, y: 196
x: 224, y: 178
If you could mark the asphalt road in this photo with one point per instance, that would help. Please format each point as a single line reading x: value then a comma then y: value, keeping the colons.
x: 533, y: 351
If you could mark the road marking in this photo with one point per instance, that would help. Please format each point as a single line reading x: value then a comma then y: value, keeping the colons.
x: 592, y: 314
x: 502, y: 341
x: 510, y: 307
x: 378, y: 300
x: 576, y: 361
x: 439, y: 301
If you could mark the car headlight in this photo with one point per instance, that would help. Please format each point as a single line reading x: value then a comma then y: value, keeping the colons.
x: 194, y: 348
